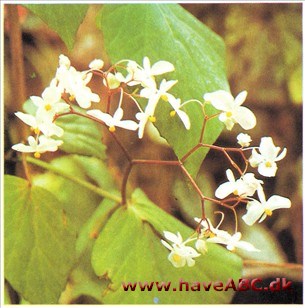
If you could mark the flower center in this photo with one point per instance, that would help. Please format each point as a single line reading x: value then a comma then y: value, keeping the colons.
x: 35, y: 130
x: 268, y: 212
x: 268, y: 164
x: 235, y: 192
x: 37, y: 155
x: 229, y: 114
x: 164, y: 97
x: 172, y: 113
x: 71, y: 98
x: 209, y: 234
x: 112, y: 129
x: 152, y: 119
x: 47, y: 107
x: 176, y: 258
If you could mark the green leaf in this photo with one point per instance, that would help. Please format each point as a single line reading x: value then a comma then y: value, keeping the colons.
x: 81, y: 205
x: 128, y: 249
x: 64, y: 19
x: 83, y: 281
x: 81, y: 135
x: 39, y: 244
x: 188, y: 200
x: 168, y: 32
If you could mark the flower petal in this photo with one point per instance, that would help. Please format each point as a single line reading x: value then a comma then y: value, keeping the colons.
x: 277, y: 202
x: 224, y: 190
x: 221, y: 100
x: 245, y: 117
x: 240, y: 98
x: 162, y: 67
x: 254, y: 211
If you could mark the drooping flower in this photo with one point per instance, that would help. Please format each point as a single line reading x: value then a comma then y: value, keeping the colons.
x: 232, y: 111
x: 153, y: 94
x: 113, y: 121
x: 40, y: 124
x: 266, y: 160
x: 259, y: 210
x: 180, y: 254
x: 176, y: 104
x: 244, y: 139
x: 38, y: 146
x: 245, y: 186
x: 217, y: 236
x: 232, y: 241
x: 73, y: 82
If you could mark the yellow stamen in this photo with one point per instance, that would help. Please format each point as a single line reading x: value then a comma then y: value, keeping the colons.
x: 268, y: 164
x: 152, y: 119
x: 164, y: 97
x: 209, y: 234
x: 176, y: 258
x: 112, y: 129
x: 35, y: 130
x: 235, y: 192
x: 172, y: 113
x: 71, y: 98
x: 229, y: 114
x: 47, y: 107
x: 37, y: 155
x: 268, y: 212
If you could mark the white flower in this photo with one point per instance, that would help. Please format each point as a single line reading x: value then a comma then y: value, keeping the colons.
x: 232, y: 241
x: 39, y: 145
x: 245, y: 186
x: 154, y: 94
x: 266, y: 160
x: 176, y: 104
x: 115, y: 121
x: 113, y: 81
x: 64, y: 61
x: 244, y: 139
x: 143, y: 119
x: 260, y: 210
x: 180, y: 254
x: 49, y: 103
x: 233, y: 112
x: 146, y: 75
x: 96, y: 64
x: 71, y: 81
x: 201, y: 246
x: 38, y: 124
x: 214, y: 235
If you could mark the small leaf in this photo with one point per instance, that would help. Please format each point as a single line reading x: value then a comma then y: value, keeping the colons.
x: 81, y: 135
x: 128, y: 249
x: 39, y: 244
x: 64, y: 19
x: 168, y: 32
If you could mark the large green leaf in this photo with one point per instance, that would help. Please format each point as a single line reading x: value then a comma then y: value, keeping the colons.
x: 81, y: 205
x: 39, y: 245
x: 81, y: 135
x: 64, y: 19
x: 128, y: 249
x: 83, y: 281
x: 168, y: 32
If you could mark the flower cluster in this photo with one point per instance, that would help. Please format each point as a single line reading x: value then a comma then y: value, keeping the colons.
x: 70, y: 87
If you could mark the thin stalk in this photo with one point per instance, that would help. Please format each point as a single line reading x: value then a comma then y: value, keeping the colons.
x: 99, y: 191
